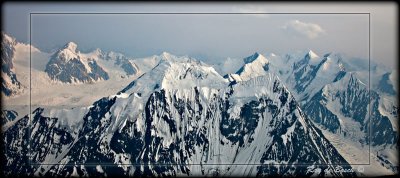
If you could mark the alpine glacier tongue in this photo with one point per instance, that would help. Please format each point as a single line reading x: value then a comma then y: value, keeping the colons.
x: 186, y: 116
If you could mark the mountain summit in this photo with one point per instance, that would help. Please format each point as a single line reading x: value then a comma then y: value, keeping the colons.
x: 68, y: 65
x: 255, y: 65
x: 71, y: 46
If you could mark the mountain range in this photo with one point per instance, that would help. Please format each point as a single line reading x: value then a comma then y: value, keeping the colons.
x: 298, y: 115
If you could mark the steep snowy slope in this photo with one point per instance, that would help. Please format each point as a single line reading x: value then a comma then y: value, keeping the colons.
x: 311, y: 73
x: 121, y: 64
x: 340, y: 105
x: 254, y: 66
x: 184, y: 115
x: 348, y: 109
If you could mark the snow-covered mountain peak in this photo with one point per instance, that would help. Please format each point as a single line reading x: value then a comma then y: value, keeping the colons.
x: 68, y: 51
x: 255, y: 65
x: 169, y: 58
x: 312, y: 54
x: 190, y: 74
x: 255, y: 57
x: 71, y: 46
x: 95, y: 54
x: 69, y: 65
x: 353, y: 79
x: 176, y: 73
x: 166, y: 55
x: 312, y: 57
x: 8, y: 43
x: 8, y: 38
x: 333, y: 63
x: 349, y: 79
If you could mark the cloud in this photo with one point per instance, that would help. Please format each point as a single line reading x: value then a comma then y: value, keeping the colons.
x: 251, y: 9
x: 310, y: 30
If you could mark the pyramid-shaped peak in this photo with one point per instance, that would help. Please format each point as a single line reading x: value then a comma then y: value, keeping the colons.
x: 353, y: 80
x: 71, y: 46
x: 312, y: 54
x: 167, y: 56
x: 352, y: 77
x: 253, y: 57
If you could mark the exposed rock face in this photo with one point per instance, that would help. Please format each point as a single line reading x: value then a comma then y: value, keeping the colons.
x: 9, y: 83
x: 187, y: 118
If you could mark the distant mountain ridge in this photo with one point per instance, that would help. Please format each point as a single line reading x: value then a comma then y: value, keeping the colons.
x: 181, y: 111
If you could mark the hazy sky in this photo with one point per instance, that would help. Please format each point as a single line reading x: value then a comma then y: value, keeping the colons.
x: 210, y: 37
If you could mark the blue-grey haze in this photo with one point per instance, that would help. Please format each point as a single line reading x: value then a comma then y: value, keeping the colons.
x: 208, y: 37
